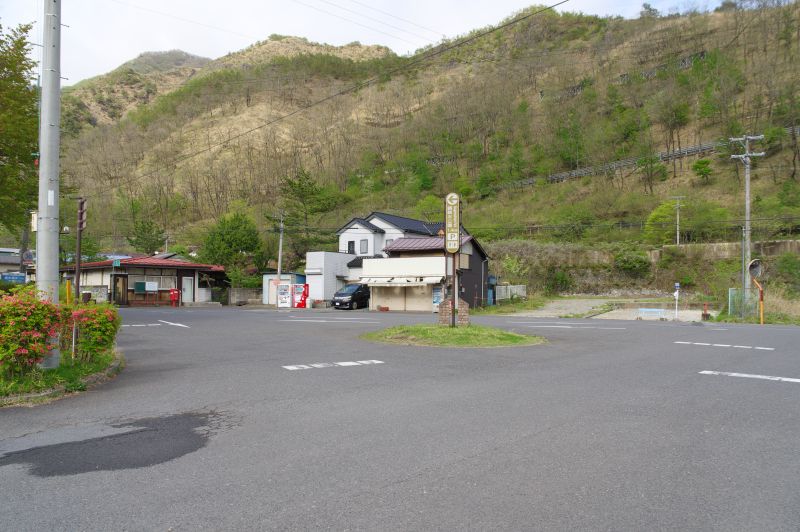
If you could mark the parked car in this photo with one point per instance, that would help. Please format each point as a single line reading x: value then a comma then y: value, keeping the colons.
x: 352, y: 296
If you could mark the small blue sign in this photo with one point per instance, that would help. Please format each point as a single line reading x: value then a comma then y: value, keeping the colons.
x: 18, y: 278
x: 677, y: 286
x: 116, y: 263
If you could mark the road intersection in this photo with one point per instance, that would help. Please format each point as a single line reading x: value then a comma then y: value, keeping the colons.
x: 609, y: 425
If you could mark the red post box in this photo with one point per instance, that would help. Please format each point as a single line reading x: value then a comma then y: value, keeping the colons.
x: 174, y: 296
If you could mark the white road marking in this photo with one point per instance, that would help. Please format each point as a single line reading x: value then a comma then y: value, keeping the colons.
x: 727, y: 345
x: 320, y: 365
x: 575, y: 327
x: 154, y: 325
x: 749, y: 376
x: 719, y: 329
x: 326, y: 321
x: 139, y: 325
x: 175, y: 324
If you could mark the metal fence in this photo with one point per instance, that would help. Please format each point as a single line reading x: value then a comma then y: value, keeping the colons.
x: 510, y: 291
x: 741, y: 303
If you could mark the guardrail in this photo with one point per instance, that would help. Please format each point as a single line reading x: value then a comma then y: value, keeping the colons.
x: 601, y: 169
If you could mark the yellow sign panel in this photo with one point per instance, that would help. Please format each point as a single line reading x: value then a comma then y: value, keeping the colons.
x: 452, y: 223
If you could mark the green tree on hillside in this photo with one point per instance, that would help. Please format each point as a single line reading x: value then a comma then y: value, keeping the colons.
x: 147, y: 236
x: 18, y: 128
x: 232, y: 242
x: 302, y: 199
x: 702, y: 169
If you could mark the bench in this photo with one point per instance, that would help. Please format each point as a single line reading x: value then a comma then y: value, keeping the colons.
x: 652, y: 313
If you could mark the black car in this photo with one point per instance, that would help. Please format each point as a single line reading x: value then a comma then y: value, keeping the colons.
x: 352, y: 296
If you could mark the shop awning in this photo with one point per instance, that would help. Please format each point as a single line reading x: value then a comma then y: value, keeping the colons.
x: 401, y: 281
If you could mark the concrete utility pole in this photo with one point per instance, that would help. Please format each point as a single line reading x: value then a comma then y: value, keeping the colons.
x: 678, y: 219
x: 280, y: 251
x: 745, y: 158
x: 49, y: 141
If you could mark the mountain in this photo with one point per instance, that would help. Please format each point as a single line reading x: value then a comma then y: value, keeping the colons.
x: 105, y: 99
x: 490, y: 115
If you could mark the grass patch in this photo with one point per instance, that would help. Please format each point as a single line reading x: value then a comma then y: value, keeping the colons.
x: 440, y: 336
x: 67, y: 375
x: 511, y: 306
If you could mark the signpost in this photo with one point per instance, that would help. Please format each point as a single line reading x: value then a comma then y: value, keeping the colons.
x: 677, y: 295
x: 755, y: 269
x: 452, y: 244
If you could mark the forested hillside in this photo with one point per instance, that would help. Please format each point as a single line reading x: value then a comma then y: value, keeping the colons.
x: 327, y: 133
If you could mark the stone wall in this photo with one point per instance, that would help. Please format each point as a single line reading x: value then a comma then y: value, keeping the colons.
x: 445, y: 308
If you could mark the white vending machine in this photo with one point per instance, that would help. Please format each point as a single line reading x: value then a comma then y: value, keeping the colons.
x: 284, y: 295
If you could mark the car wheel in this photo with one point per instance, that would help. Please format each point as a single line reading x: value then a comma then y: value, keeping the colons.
x: 354, y: 305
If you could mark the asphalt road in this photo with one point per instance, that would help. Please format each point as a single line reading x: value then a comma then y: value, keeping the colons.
x: 221, y: 422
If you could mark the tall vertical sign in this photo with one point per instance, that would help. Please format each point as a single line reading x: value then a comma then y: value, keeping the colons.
x: 452, y: 245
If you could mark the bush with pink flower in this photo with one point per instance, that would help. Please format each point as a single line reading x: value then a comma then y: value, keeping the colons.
x: 28, y: 328
x: 97, y: 327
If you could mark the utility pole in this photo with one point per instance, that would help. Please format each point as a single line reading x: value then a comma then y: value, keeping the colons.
x: 678, y: 219
x: 280, y: 250
x: 49, y: 141
x: 81, y: 225
x: 745, y: 158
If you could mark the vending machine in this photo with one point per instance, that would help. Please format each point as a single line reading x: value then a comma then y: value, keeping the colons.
x: 299, y: 295
x: 284, y: 295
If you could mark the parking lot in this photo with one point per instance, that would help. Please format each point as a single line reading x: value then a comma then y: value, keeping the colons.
x: 239, y: 418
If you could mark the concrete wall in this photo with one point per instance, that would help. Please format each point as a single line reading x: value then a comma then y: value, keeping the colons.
x: 731, y: 250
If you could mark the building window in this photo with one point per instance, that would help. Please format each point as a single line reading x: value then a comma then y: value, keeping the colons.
x: 364, y: 248
x: 351, y: 247
x: 389, y: 241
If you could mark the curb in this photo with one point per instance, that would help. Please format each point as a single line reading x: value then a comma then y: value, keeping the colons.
x: 92, y: 380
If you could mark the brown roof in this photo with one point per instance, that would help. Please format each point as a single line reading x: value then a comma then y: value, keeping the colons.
x: 424, y: 243
x: 149, y: 262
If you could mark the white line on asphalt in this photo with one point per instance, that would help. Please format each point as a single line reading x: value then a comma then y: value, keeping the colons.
x: 719, y: 329
x: 139, y: 325
x: 575, y: 327
x: 749, y: 376
x: 154, y: 325
x: 727, y: 345
x: 175, y: 324
x: 325, y: 321
x: 321, y: 365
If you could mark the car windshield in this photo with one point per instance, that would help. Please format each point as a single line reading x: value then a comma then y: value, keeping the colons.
x: 349, y: 289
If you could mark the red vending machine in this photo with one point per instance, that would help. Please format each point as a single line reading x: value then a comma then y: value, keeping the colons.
x: 299, y: 295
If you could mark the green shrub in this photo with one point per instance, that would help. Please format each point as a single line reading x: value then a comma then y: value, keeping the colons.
x: 27, y: 327
x: 557, y: 280
x: 787, y: 271
x: 97, y: 324
x: 632, y: 262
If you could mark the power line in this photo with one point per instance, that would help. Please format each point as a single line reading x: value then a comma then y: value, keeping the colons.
x: 395, y: 16
x: 376, y: 20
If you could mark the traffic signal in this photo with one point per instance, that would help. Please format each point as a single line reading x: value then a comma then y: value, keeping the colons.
x: 81, y: 214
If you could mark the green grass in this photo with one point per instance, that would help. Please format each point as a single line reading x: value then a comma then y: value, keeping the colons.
x: 770, y: 318
x: 66, y: 375
x: 441, y: 336
x: 509, y: 307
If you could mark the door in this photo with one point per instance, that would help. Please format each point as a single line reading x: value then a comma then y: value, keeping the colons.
x: 187, y: 289
x: 120, y: 288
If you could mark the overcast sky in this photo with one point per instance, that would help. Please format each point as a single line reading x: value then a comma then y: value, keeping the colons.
x: 103, y: 34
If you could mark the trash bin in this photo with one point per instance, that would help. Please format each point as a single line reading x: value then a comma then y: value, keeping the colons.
x: 86, y: 297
